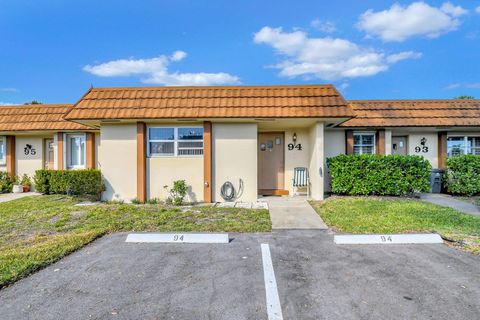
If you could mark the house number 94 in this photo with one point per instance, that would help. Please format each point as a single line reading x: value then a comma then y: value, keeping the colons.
x: 292, y: 146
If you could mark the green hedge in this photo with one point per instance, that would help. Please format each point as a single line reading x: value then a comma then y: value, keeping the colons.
x: 6, y: 182
x: 379, y: 175
x: 463, y: 175
x: 73, y: 182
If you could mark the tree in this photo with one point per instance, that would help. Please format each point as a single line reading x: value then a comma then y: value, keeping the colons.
x: 32, y: 102
x: 465, y: 97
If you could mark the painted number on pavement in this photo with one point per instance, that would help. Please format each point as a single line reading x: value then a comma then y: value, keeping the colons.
x: 178, y: 237
x: 386, y: 238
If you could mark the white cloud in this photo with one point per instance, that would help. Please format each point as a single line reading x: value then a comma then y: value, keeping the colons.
x: 8, y: 104
x: 9, y: 90
x: 324, y: 26
x: 155, y: 71
x: 178, y: 55
x: 325, y: 58
x: 471, y: 85
x: 477, y: 9
x: 393, y: 58
x: 418, y: 19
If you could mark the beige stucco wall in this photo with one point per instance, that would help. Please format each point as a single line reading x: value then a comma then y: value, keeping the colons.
x: 296, y: 158
x: 234, y: 158
x: 118, y: 160
x: 317, y: 158
x: 28, y: 164
x: 163, y: 171
x: 334, y: 145
x: 432, y: 144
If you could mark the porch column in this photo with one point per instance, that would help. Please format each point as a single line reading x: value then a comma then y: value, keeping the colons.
x: 388, y: 142
x: 317, y: 154
x: 349, y: 141
x: 380, y: 142
x: 207, y: 161
x: 90, y: 146
x: 10, y: 156
x: 141, y: 163
x: 60, y: 151
x: 442, y: 150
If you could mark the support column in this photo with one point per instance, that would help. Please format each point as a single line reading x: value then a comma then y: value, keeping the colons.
x: 207, y: 161
x: 349, y: 141
x: 141, y: 163
x: 388, y: 142
x: 380, y: 142
x: 90, y: 146
x: 442, y: 150
x: 10, y: 156
x: 317, y: 154
x: 60, y: 151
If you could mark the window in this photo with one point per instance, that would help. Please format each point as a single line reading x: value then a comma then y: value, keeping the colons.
x: 75, y: 151
x: 457, y: 146
x: 180, y: 141
x: 364, y: 143
x: 3, y: 151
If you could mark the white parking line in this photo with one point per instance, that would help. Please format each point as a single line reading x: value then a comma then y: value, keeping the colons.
x: 274, y: 309
x: 178, y: 237
x: 387, y: 239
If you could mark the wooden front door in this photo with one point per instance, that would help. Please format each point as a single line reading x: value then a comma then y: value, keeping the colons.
x: 399, y: 145
x: 271, y: 163
x: 48, y: 154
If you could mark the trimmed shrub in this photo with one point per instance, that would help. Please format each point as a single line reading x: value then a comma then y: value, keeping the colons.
x: 6, y: 182
x: 71, y: 182
x: 463, y: 175
x: 392, y: 175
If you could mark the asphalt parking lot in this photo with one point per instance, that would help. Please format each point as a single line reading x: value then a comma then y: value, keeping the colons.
x: 316, y: 279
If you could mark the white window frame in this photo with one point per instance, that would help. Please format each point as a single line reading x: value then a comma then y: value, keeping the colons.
x: 3, y: 159
x: 175, y: 142
x: 465, y: 144
x: 365, y: 133
x: 66, y: 137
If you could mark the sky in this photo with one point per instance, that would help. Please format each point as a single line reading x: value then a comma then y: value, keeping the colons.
x: 54, y: 51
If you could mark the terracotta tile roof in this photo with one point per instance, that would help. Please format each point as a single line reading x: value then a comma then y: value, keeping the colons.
x: 36, y: 117
x: 211, y: 102
x: 414, y: 113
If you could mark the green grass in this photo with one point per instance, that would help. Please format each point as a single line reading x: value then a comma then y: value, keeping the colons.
x: 376, y: 215
x: 36, y: 231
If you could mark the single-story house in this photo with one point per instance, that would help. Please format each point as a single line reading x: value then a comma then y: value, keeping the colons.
x: 144, y: 138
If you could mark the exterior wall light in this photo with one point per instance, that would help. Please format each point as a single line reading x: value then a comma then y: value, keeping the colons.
x: 294, y: 138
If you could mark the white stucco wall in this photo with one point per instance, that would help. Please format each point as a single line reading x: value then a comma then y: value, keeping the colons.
x: 296, y: 158
x: 234, y: 158
x: 28, y: 163
x: 334, y: 145
x: 97, y: 149
x: 317, y: 158
x: 432, y: 144
x: 163, y: 171
x: 118, y: 160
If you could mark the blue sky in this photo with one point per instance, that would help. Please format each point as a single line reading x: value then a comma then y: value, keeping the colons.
x: 53, y: 51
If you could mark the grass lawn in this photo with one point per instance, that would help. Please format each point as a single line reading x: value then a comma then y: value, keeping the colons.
x: 377, y: 215
x: 36, y: 231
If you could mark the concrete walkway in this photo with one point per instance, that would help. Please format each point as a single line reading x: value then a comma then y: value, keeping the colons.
x: 449, y: 201
x: 293, y: 213
x: 4, y: 197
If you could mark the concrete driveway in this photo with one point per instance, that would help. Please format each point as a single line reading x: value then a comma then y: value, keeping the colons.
x: 111, y: 279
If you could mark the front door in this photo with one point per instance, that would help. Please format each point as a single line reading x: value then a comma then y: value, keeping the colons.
x: 399, y: 145
x: 48, y: 154
x: 271, y: 163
